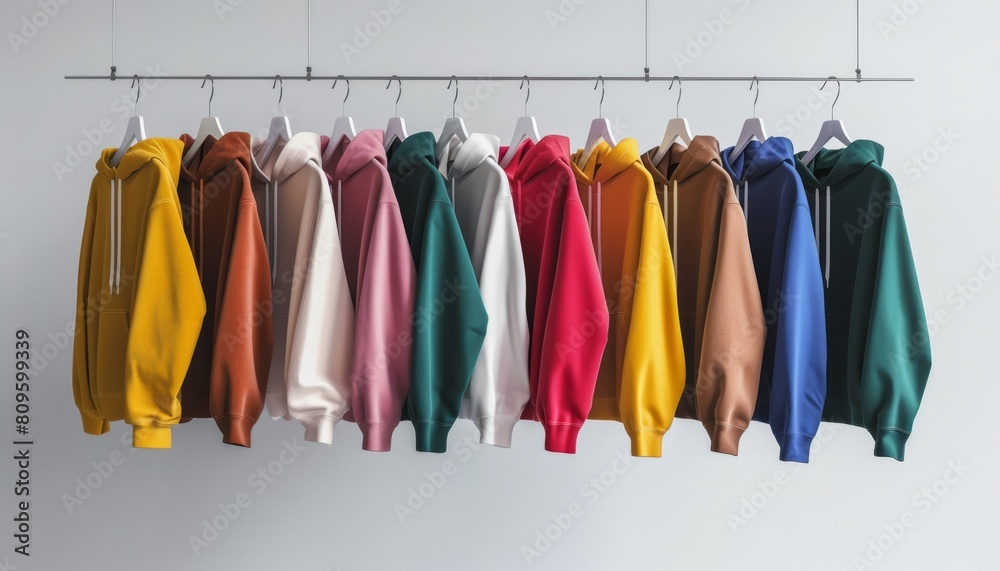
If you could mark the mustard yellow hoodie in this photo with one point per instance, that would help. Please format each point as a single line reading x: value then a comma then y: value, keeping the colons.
x: 641, y: 377
x: 139, y: 301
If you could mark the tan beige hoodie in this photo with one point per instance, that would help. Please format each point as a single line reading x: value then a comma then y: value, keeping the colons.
x: 722, y: 321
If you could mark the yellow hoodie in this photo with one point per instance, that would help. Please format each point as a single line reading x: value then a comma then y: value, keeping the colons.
x: 139, y: 301
x: 642, y: 373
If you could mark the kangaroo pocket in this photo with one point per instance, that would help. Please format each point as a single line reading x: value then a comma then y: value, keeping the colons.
x: 112, y: 340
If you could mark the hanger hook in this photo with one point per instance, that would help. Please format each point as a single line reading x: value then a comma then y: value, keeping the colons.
x: 527, y: 95
x: 281, y: 92
x: 833, y: 77
x: 680, y: 92
x: 138, y: 85
x: 211, y: 95
x: 455, y: 100
x: 398, y: 93
x: 343, y: 104
x: 600, y: 104
x: 756, y: 82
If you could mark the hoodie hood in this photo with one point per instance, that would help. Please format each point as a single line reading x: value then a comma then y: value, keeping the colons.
x: 216, y: 154
x: 299, y: 150
x: 689, y: 161
x: 357, y: 153
x: 758, y: 159
x: 606, y: 162
x: 540, y: 156
x: 167, y: 150
x: 414, y: 148
x: 833, y: 166
x: 476, y: 149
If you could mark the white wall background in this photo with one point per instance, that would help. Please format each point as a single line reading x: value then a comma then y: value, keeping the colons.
x: 333, y: 508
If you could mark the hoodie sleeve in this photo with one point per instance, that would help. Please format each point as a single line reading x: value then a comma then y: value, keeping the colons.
x: 321, y: 346
x: 798, y: 383
x: 245, y: 336
x: 449, y: 326
x: 733, y: 346
x: 653, y: 371
x: 897, y: 354
x: 93, y: 422
x: 167, y: 312
x: 569, y: 361
x: 499, y: 388
x: 383, y: 347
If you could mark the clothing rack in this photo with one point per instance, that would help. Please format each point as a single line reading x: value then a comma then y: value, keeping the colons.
x: 608, y: 78
x: 645, y: 77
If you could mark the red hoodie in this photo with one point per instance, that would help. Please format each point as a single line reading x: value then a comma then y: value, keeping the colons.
x: 567, y: 313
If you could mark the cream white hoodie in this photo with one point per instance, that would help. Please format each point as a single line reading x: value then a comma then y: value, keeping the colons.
x: 310, y: 378
x: 480, y: 192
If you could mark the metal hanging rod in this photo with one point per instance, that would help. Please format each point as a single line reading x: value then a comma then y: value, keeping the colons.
x: 643, y: 78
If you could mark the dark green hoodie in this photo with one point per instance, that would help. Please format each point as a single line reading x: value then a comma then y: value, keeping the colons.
x: 879, y: 352
x: 449, y: 322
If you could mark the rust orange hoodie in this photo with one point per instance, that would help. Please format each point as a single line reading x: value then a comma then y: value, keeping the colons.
x: 228, y: 372
x: 642, y: 373
x: 722, y: 319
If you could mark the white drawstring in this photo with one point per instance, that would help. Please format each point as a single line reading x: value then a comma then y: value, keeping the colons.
x: 819, y: 244
x: 673, y: 221
x: 111, y: 233
x: 118, y: 236
x: 274, y: 237
x: 453, y: 192
x: 340, y: 209
x: 600, y: 244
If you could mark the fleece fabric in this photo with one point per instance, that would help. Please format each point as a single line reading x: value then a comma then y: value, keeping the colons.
x: 480, y: 194
x: 793, y: 373
x: 139, y: 303
x: 641, y: 377
x: 566, y: 311
x: 450, y: 320
x: 722, y: 319
x: 313, y: 314
x: 382, y: 282
x: 877, y: 342
x: 228, y: 372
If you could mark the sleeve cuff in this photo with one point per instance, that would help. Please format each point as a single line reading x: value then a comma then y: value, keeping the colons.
x: 376, y: 436
x: 431, y: 437
x: 561, y: 437
x: 235, y: 430
x: 794, y: 447
x: 725, y: 438
x: 319, y: 428
x: 890, y: 443
x: 151, y: 436
x: 646, y: 443
x: 495, y: 431
x: 93, y: 424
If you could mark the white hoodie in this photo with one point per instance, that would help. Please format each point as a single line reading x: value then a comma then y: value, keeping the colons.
x: 310, y: 378
x: 480, y: 192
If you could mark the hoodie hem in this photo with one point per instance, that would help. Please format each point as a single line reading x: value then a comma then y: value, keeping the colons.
x: 318, y: 428
x: 794, y: 447
x: 725, y: 438
x: 496, y: 431
x: 890, y: 443
x: 150, y: 436
x: 93, y: 424
x: 377, y: 436
x: 646, y: 442
x: 432, y: 436
x: 235, y: 429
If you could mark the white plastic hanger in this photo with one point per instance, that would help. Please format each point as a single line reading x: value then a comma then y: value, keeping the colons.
x: 830, y: 130
x: 135, y: 129
x: 209, y: 126
x: 343, y: 127
x: 454, y: 126
x: 395, y: 130
x: 526, y: 128
x: 600, y: 130
x: 279, y: 130
x: 752, y: 128
x: 677, y: 128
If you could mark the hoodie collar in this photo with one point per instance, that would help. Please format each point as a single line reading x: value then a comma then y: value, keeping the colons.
x: 757, y: 159
x: 689, y: 161
x: 538, y: 157
x: 833, y: 166
x: 301, y: 149
x: 167, y: 150
x: 354, y: 155
x: 217, y: 154
x: 473, y: 152
x: 606, y: 162
x: 413, y: 149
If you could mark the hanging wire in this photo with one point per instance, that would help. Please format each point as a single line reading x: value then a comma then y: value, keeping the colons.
x: 114, y: 68
x: 309, y: 69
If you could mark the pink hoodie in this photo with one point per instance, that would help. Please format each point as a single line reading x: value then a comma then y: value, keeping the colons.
x: 382, y: 280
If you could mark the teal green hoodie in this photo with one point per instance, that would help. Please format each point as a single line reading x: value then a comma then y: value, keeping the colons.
x: 878, y: 347
x: 449, y: 322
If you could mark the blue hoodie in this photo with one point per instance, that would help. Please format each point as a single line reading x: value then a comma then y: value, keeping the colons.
x: 793, y: 375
